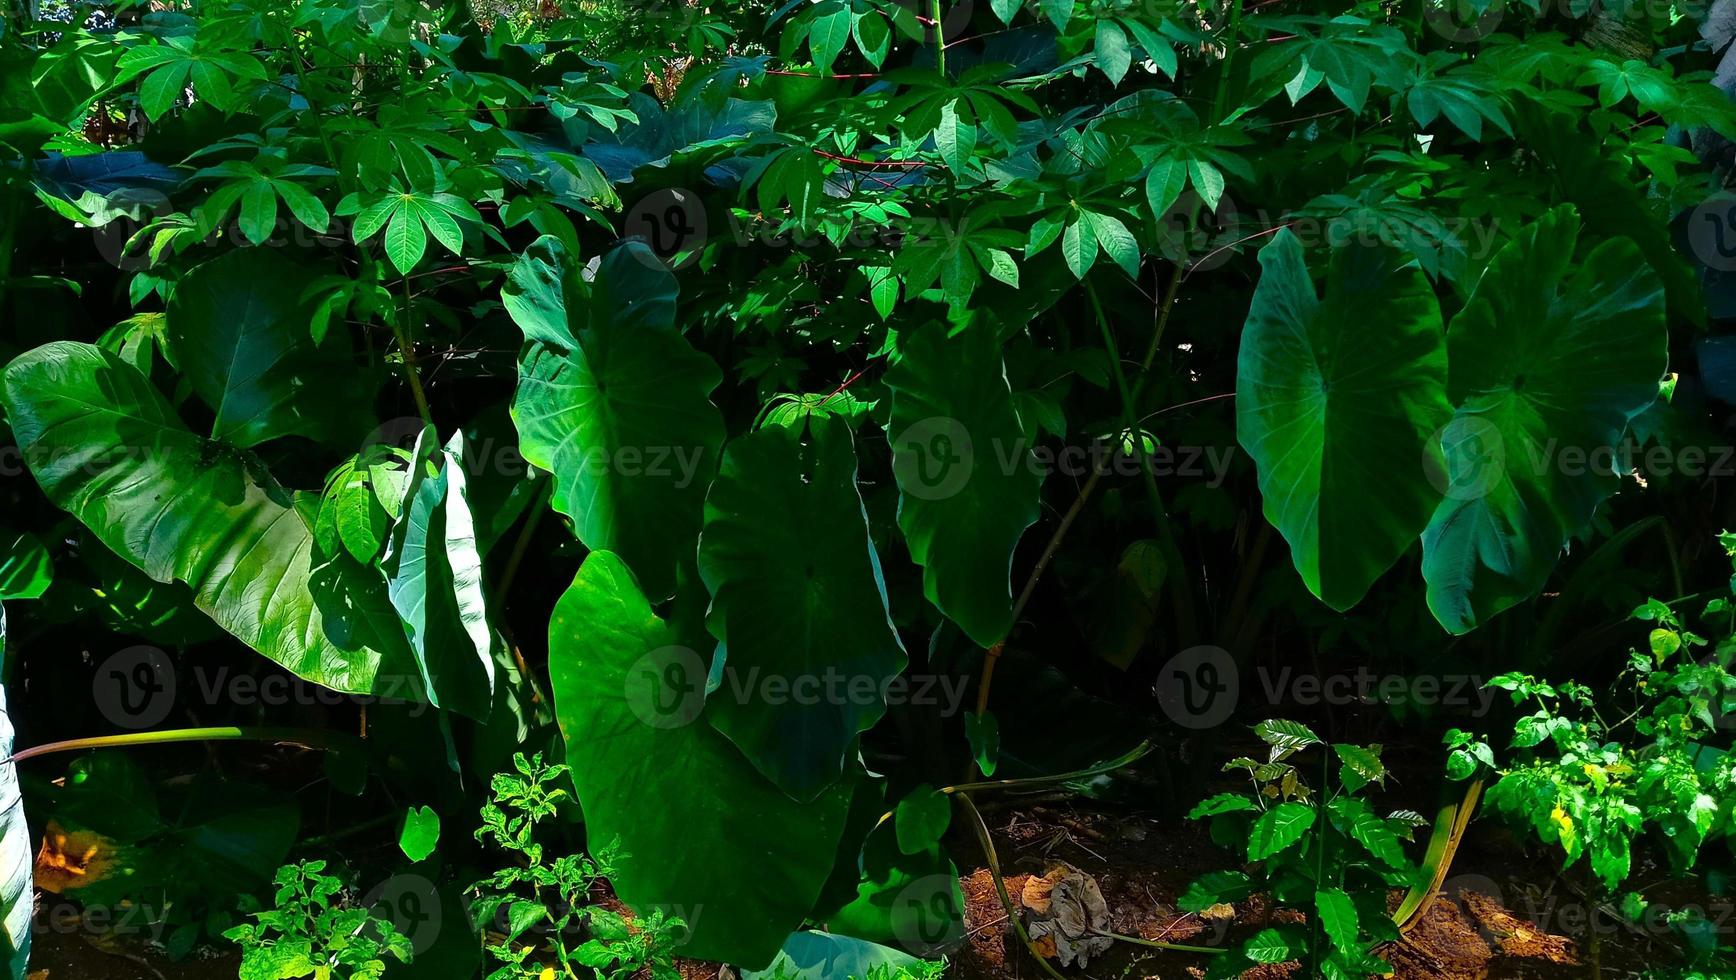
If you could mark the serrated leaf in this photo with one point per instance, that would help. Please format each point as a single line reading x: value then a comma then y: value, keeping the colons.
x: 1279, y: 828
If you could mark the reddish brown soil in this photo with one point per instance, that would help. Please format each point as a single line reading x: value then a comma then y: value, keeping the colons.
x: 1496, y: 923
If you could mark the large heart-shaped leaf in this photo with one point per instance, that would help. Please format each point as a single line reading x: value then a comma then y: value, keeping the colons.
x: 1551, y: 358
x: 1338, y: 401
x: 968, y: 486
x: 434, y: 578
x: 240, y: 326
x: 622, y: 417
x: 106, y: 447
x: 703, y: 835
x: 16, y: 896
x: 798, y: 603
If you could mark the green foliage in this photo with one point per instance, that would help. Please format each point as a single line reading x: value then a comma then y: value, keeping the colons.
x: 1320, y: 849
x: 803, y: 319
x: 530, y: 910
x: 313, y: 930
x: 1596, y: 773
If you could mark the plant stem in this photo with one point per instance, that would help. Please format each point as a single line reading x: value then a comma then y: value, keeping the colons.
x: 1160, y: 944
x: 934, y: 13
x: 311, y: 737
x: 1157, y: 331
x: 988, y: 846
x: 1180, y: 593
x: 400, y: 332
x: 994, y: 652
x: 1140, y: 751
x: 1231, y: 43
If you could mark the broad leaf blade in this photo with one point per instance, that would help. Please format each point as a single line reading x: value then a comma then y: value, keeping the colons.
x: 1338, y: 401
x: 622, y: 419
x: 240, y: 326
x: 797, y: 600
x: 968, y: 487
x: 1548, y: 356
x: 106, y: 447
x: 434, y: 578
x: 703, y: 835
x: 17, y: 898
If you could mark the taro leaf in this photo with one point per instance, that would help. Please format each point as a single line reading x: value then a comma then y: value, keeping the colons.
x: 702, y: 834
x: 1338, y: 401
x: 16, y: 896
x: 1550, y: 360
x: 921, y: 819
x: 797, y: 601
x: 824, y: 956
x: 434, y: 578
x: 420, y: 833
x: 96, y: 188
x: 968, y: 486
x: 694, y: 123
x: 25, y: 568
x: 107, y: 448
x: 240, y: 326
x: 912, y: 901
x: 622, y: 418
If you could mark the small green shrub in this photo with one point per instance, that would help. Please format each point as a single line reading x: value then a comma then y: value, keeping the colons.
x: 1322, y: 850
x: 313, y: 931
x: 542, y: 907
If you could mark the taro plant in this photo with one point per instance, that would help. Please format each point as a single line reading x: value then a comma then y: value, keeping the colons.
x: 826, y: 347
x: 1313, y: 843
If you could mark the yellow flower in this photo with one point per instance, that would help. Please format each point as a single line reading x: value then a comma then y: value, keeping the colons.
x: 548, y: 973
x: 1561, y: 819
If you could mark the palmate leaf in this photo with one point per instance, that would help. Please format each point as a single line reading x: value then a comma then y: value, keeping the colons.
x: 239, y: 324
x: 106, y: 447
x: 968, y: 486
x: 16, y: 896
x: 1338, y: 401
x: 1550, y: 357
x: 703, y: 834
x: 798, y: 603
x: 614, y: 402
x: 434, y: 578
